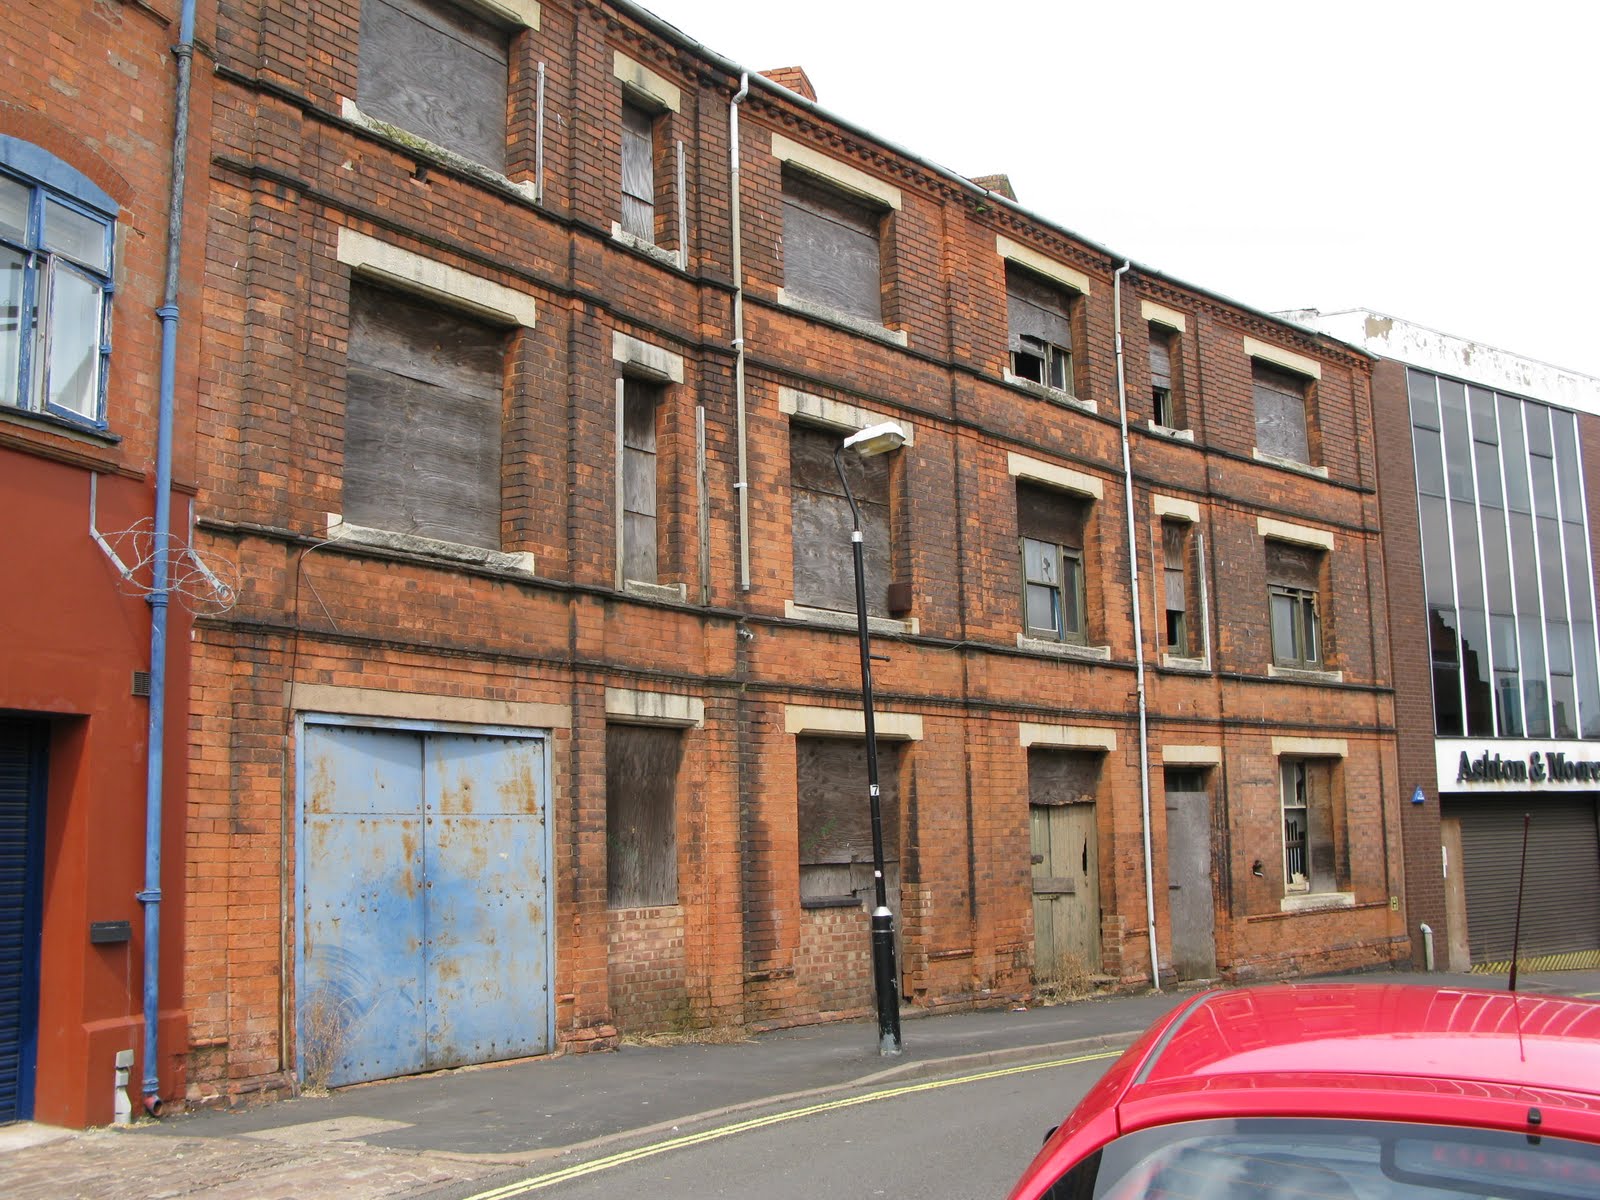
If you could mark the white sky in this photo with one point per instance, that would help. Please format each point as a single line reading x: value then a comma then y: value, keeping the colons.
x: 1434, y: 161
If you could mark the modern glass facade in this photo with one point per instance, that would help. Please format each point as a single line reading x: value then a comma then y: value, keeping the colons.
x: 1506, y: 565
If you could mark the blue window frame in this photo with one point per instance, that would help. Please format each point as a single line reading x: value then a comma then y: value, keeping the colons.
x: 57, y: 234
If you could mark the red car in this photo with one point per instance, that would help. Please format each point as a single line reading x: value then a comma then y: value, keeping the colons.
x: 1341, y: 1092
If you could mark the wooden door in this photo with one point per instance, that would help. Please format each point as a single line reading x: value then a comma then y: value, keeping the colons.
x: 1066, y: 890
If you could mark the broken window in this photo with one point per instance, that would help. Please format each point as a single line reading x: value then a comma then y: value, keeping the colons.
x: 1293, y: 582
x: 824, y: 568
x: 1050, y: 527
x: 1280, y: 398
x: 640, y: 481
x: 1041, y: 329
x: 835, y: 819
x: 1166, y: 407
x: 438, y: 71
x: 831, y: 248
x: 1310, y: 858
x: 638, y: 172
x: 1180, y: 627
x: 641, y: 821
x: 422, y: 420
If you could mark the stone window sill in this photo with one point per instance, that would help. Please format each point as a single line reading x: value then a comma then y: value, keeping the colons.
x: 1071, y: 650
x: 1194, y: 666
x: 1304, y: 674
x: 1316, y: 901
x: 409, y: 543
x: 1054, y: 395
x: 670, y: 258
x: 1288, y: 464
x: 672, y: 593
x: 844, y: 320
x: 829, y: 618
x: 1176, y: 435
x: 525, y: 190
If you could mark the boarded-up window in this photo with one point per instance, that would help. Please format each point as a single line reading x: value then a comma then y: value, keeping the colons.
x: 1050, y: 526
x: 830, y: 248
x: 639, y: 481
x: 638, y: 172
x: 1310, y: 857
x: 1166, y: 405
x: 422, y: 420
x: 1175, y: 559
x: 641, y: 823
x: 1280, y: 413
x: 1063, y: 776
x: 438, y: 71
x: 824, y: 571
x: 835, y: 817
x: 1294, y: 576
x: 1040, y: 317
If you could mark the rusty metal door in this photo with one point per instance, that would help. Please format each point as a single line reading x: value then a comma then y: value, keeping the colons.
x: 1191, y: 901
x: 1066, y: 890
x: 423, y: 879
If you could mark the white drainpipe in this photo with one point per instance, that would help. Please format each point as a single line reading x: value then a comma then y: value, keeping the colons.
x: 743, y: 485
x: 1138, y: 630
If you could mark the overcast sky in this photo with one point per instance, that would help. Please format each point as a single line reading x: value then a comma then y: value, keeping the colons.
x: 1434, y: 161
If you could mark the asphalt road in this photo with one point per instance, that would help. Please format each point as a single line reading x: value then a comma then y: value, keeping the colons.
x: 958, y: 1137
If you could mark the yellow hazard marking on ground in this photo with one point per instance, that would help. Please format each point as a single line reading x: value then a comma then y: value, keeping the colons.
x: 623, y: 1158
x: 1575, y: 960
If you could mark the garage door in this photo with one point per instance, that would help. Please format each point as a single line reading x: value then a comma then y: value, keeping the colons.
x: 1561, y: 896
x: 21, y: 807
x: 424, y: 887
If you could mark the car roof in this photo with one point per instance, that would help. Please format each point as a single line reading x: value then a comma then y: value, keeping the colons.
x: 1358, y: 1031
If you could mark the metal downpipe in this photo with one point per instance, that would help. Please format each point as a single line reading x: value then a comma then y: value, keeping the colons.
x: 150, y: 896
x: 742, y: 486
x: 1138, y: 630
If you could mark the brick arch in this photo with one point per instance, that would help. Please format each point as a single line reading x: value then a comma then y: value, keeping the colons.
x: 50, y: 135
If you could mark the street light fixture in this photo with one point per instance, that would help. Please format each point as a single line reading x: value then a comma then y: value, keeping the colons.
x: 870, y: 442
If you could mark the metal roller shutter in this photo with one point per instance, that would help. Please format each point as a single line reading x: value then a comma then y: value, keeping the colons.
x: 20, y: 773
x: 1561, y: 898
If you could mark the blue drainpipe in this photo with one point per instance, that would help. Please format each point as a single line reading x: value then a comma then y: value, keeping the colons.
x: 150, y: 896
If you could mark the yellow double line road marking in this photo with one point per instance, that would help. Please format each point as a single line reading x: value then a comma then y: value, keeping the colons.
x: 621, y: 1159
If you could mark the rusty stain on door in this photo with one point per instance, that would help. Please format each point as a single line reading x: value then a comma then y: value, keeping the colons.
x: 424, y: 915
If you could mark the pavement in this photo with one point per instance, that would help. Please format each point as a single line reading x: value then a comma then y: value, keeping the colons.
x: 447, y: 1130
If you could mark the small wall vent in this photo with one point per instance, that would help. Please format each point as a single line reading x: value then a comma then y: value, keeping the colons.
x: 141, y: 683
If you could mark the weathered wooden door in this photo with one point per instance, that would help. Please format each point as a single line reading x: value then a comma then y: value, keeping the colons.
x: 424, y: 914
x: 1191, y: 902
x: 1066, y: 890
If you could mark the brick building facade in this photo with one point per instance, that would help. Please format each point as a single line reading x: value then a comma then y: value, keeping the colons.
x: 84, y: 234
x: 538, y: 717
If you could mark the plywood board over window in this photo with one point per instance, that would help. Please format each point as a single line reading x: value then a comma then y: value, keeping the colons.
x: 638, y: 172
x: 438, y: 71
x: 641, y: 821
x: 640, y: 556
x: 824, y: 571
x: 422, y: 420
x: 1280, y: 398
x: 831, y: 248
x: 835, y: 822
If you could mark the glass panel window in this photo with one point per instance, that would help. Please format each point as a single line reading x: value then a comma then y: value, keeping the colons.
x: 1475, y: 670
x: 1513, y: 455
x: 1423, y: 390
x: 1430, y: 462
x: 14, y: 197
x: 1445, y: 642
x: 80, y: 238
x: 75, y: 308
x: 55, y: 290
x: 1535, y: 690
x: 1054, y: 585
x: 1040, y: 317
x: 1457, y: 439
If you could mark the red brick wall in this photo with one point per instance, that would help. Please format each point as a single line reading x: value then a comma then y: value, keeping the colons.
x: 94, y: 85
x: 289, y: 172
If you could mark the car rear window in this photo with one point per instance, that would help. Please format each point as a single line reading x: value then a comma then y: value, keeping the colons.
x: 1298, y: 1159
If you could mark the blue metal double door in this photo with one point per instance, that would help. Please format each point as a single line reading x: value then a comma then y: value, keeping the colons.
x: 424, y: 900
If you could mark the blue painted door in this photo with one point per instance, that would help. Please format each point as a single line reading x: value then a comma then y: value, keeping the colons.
x: 21, y: 824
x: 425, y: 925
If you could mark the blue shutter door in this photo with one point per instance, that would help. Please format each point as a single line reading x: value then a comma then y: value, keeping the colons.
x: 21, y: 810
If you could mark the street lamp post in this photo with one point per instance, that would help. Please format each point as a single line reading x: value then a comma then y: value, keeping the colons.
x: 874, y: 440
